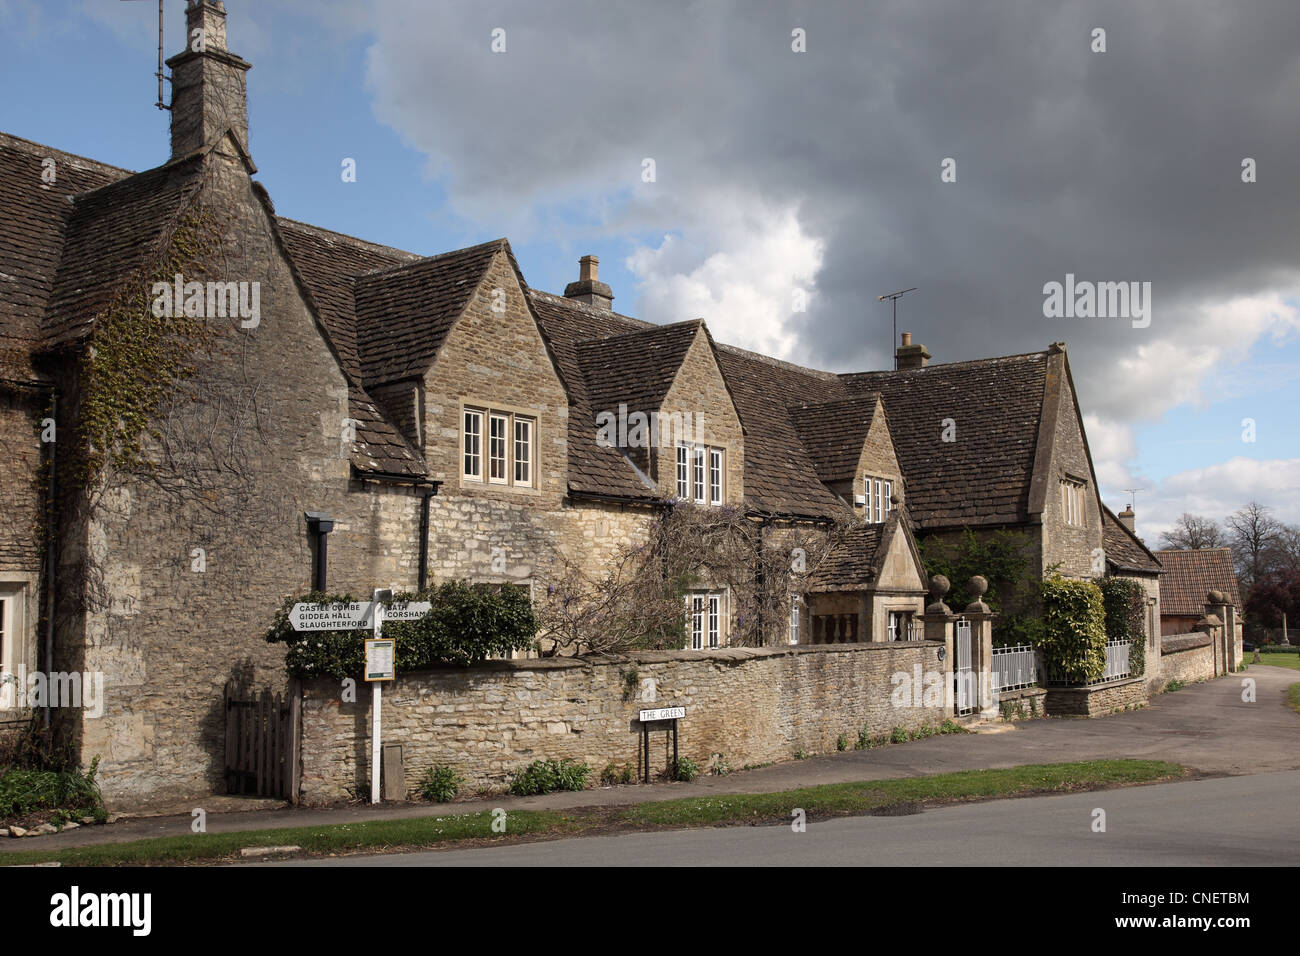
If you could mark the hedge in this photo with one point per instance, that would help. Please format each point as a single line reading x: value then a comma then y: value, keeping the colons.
x: 468, y: 624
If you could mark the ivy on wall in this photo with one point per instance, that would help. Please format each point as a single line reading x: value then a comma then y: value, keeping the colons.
x: 1001, y: 558
x: 134, y: 359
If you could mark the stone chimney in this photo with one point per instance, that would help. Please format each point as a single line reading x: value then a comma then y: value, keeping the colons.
x: 1126, y: 518
x: 911, y: 356
x: 588, y: 288
x: 209, y: 85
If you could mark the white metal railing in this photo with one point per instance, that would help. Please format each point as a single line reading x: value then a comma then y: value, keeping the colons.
x: 1117, y: 660
x: 1014, y: 667
x: 1117, y: 667
x: 915, y: 631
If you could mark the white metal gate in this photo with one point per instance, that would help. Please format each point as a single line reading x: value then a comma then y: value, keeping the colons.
x: 964, y: 674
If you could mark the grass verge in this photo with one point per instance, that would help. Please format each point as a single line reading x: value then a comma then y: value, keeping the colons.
x: 1277, y: 660
x: 1293, y: 697
x: 821, y: 802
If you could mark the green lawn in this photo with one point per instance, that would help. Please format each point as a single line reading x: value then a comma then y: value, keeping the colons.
x: 829, y: 800
x: 1276, y: 659
x: 1293, y: 697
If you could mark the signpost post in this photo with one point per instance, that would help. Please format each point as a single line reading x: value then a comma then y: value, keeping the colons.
x: 381, y: 653
x: 662, y: 714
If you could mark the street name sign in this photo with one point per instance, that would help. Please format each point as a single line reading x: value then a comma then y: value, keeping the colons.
x: 663, y: 713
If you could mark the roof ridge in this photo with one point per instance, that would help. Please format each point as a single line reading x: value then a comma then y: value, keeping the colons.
x: 592, y: 310
x: 675, y: 326
x: 772, y: 360
x: 356, y: 240
x: 1041, y: 353
x: 30, y: 145
x: 425, y: 260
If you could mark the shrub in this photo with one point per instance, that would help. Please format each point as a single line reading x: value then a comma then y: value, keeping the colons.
x: 899, y: 735
x: 467, y: 624
x: 75, y: 793
x: 842, y: 743
x: 864, y: 739
x: 720, y: 766
x: 547, y: 776
x: 686, y: 769
x: 1074, y: 630
x: 614, y: 774
x: 951, y: 726
x: 440, y: 783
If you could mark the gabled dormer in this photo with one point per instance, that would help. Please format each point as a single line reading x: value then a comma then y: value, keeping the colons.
x: 850, y: 445
x: 658, y: 397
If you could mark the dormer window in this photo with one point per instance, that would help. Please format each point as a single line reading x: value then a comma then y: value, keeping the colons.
x: 877, y: 505
x: 700, y: 473
x: 505, y: 455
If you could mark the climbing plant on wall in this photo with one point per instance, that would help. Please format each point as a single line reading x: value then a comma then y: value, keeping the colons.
x: 1125, y: 604
x: 1074, y: 629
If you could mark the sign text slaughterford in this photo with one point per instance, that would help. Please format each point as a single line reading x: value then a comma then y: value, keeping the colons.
x: 331, y: 617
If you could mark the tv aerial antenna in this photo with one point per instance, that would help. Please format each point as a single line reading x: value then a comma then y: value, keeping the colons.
x: 893, y: 297
x: 1133, y: 499
x: 160, y: 74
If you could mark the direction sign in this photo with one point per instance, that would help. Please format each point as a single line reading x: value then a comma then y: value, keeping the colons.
x: 407, y: 610
x: 331, y: 617
x: 663, y: 713
x: 359, y: 615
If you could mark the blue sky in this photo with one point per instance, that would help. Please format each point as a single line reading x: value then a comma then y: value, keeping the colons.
x: 779, y: 173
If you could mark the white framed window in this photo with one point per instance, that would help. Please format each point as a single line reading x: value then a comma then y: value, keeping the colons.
x: 889, y: 492
x: 875, y: 498
x: 700, y: 473
x: 13, y: 659
x: 498, y: 452
x: 795, y: 618
x: 523, y: 451
x: 715, y: 476
x: 472, y: 430
x: 506, y: 454
x: 1072, y: 502
x: 704, y: 611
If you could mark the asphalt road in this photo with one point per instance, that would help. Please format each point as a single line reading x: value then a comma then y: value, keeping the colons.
x: 1196, y: 823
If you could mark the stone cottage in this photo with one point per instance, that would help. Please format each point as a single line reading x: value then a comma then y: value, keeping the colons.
x: 352, y: 415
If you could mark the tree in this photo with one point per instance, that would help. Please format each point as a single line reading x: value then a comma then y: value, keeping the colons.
x: 1253, y: 535
x: 1275, y: 594
x: 1193, y: 533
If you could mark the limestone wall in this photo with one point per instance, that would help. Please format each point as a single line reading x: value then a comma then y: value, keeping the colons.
x: 752, y: 705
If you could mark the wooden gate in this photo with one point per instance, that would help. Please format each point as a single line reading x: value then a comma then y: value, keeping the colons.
x: 262, y: 742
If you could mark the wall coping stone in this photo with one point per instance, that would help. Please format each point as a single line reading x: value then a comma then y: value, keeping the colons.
x: 1174, y: 643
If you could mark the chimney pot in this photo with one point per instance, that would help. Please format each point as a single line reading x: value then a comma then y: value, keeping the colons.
x: 1126, y: 518
x: 911, y: 356
x: 589, y: 289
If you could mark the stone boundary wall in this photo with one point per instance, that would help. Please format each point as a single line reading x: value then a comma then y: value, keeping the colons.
x: 1186, y: 657
x: 752, y: 705
x: 1097, y: 700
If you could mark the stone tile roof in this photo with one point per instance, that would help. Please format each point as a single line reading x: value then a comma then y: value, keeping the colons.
x: 1190, y: 575
x: 379, y: 446
x: 833, y: 433
x: 404, y: 313
x: 636, y: 368
x: 113, y: 234
x: 327, y: 263
x: 982, y: 478
x: 779, y: 472
x: 1124, y: 551
x: 854, y: 563
x: 33, y: 219
x: 593, y: 469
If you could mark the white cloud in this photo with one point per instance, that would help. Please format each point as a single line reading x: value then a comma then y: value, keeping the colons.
x: 1218, y: 490
x: 754, y: 257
